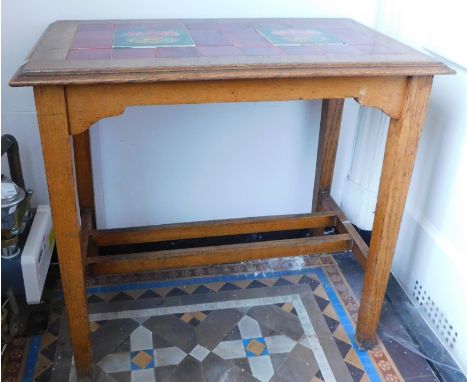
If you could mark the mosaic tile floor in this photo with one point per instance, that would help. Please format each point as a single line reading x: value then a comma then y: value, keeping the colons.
x: 259, y: 321
x: 273, y: 325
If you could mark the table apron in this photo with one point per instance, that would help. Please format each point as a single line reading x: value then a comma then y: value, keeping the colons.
x: 87, y: 104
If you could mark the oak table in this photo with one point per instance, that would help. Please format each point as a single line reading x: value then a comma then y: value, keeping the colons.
x: 83, y: 71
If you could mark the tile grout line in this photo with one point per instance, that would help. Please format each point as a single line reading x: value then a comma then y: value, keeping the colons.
x: 227, y: 304
x: 347, y: 326
x: 311, y: 335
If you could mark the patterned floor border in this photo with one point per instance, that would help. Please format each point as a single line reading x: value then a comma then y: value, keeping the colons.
x: 377, y: 362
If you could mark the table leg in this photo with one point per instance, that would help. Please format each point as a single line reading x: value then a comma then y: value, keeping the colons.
x: 58, y: 159
x: 400, y: 153
x: 330, y: 123
x: 84, y: 171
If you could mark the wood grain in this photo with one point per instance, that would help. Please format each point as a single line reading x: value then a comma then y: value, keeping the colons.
x: 84, y: 170
x: 330, y: 124
x: 220, y: 74
x: 343, y: 225
x: 140, y: 262
x: 89, y: 104
x: 58, y: 157
x: 400, y: 153
x: 166, y: 232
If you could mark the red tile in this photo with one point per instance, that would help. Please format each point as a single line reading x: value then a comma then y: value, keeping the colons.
x: 133, y: 53
x: 302, y: 50
x: 204, y: 25
x: 261, y: 51
x: 290, y: 23
x: 89, y: 54
x: 163, y: 24
x: 339, y: 49
x: 207, y: 37
x: 177, y: 52
x: 247, y: 37
x: 270, y: 24
x: 129, y: 26
x: 92, y: 40
x: 96, y: 27
x: 234, y: 26
x: 351, y: 37
x: 226, y: 51
x: 382, y: 49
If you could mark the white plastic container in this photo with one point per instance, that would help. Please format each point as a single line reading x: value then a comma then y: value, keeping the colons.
x: 37, y: 252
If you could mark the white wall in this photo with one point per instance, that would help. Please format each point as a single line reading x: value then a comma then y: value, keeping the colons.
x: 202, y: 162
x: 433, y: 243
x: 284, y: 168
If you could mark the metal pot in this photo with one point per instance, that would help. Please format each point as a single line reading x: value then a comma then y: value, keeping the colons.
x: 12, y: 217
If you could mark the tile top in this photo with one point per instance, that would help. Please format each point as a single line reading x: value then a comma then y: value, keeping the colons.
x: 149, y: 36
x: 290, y: 35
x: 154, y: 50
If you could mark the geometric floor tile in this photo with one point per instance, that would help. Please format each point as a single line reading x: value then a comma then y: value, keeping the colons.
x: 235, y: 324
x: 255, y: 347
x: 199, y: 353
x: 142, y: 359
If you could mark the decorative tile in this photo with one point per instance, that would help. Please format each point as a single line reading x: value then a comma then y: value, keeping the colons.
x: 93, y: 326
x: 230, y: 349
x: 141, y: 338
x: 297, y: 36
x: 261, y: 368
x: 255, y: 347
x: 122, y: 296
x: 145, y: 375
x: 192, y: 318
x: 256, y: 284
x: 199, y: 353
x: 142, y: 359
x: 239, y: 326
x: 279, y: 344
x: 288, y: 308
x: 145, y: 37
x: 148, y: 294
x: 169, y: 356
x: 94, y: 299
x: 229, y: 286
x: 249, y: 328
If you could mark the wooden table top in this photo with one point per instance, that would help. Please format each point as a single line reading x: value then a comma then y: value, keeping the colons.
x: 79, y: 52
